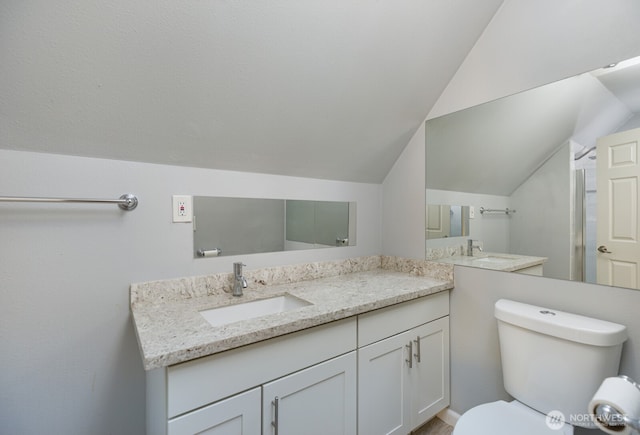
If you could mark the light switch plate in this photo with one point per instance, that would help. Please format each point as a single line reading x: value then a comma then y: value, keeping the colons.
x: 182, y: 208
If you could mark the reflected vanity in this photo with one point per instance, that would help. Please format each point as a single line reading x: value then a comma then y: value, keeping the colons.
x: 237, y: 226
x: 448, y: 241
x: 539, y: 152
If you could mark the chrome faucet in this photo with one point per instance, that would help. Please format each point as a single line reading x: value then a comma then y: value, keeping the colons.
x: 239, y: 282
x: 470, y: 247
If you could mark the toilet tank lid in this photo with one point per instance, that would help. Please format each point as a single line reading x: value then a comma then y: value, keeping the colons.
x: 560, y: 324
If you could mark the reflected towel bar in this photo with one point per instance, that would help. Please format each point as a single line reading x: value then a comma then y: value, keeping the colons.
x: 125, y: 202
x: 493, y: 210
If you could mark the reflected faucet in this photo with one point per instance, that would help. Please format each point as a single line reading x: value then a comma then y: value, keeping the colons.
x: 239, y: 282
x: 470, y: 247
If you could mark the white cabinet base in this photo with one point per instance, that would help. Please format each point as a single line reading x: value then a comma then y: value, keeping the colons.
x: 205, y: 380
x: 404, y: 379
x: 362, y: 375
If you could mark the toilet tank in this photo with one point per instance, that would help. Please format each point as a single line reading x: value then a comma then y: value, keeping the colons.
x: 553, y: 360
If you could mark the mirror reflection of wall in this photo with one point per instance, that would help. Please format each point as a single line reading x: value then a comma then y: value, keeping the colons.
x: 235, y: 226
x: 238, y: 225
x: 317, y: 223
x: 526, y: 152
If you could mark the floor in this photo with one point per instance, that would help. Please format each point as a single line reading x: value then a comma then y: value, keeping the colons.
x: 434, y: 426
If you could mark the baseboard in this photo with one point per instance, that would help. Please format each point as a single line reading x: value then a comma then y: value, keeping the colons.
x: 448, y: 416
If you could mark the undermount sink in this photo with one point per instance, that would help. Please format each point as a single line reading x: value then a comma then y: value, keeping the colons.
x: 253, y: 309
x: 492, y: 259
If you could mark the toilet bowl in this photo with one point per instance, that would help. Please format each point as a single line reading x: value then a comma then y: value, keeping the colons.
x: 552, y: 363
x: 508, y: 418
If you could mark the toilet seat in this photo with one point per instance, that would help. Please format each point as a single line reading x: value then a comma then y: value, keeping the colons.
x: 506, y: 418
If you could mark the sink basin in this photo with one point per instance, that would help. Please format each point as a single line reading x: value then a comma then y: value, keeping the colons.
x: 493, y: 260
x: 252, y: 309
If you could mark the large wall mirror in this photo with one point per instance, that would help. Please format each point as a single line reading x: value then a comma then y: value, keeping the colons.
x: 236, y: 226
x: 556, y: 166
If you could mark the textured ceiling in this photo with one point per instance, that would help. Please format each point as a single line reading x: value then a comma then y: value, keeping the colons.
x: 328, y: 89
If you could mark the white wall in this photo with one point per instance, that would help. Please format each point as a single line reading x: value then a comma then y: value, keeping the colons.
x: 543, y: 222
x: 70, y: 362
x: 403, y: 214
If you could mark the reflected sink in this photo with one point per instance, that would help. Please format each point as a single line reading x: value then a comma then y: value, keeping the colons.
x: 494, y: 260
x: 252, y: 309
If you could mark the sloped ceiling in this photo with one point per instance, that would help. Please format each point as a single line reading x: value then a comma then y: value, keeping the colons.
x: 328, y: 89
x: 494, y: 147
x: 622, y: 80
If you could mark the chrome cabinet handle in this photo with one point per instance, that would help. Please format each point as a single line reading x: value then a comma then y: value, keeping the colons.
x: 410, y: 359
x: 417, y: 354
x: 604, y: 250
x: 274, y: 423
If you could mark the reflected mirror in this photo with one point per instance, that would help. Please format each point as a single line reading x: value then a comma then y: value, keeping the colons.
x: 445, y: 221
x: 557, y: 168
x: 236, y: 226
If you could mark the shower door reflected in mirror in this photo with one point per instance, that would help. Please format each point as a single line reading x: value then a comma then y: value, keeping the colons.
x: 522, y: 152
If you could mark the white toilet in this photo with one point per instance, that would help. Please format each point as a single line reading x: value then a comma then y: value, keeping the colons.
x: 552, y: 362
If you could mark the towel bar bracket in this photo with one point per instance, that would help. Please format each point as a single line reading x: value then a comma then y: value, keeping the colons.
x: 130, y: 202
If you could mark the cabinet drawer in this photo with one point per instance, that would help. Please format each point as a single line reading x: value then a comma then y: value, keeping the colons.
x: 385, y: 322
x: 199, y: 382
x: 239, y: 414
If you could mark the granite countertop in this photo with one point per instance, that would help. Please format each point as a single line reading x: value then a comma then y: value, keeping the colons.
x: 171, y: 330
x: 495, y: 261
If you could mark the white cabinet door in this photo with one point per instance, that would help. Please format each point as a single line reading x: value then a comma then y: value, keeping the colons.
x: 238, y: 415
x: 383, y: 373
x: 430, y: 372
x: 403, y: 381
x: 320, y: 400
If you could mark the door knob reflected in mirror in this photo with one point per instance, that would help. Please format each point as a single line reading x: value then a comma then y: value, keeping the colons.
x: 604, y: 250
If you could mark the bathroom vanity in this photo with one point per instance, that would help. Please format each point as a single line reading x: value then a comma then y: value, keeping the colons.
x: 369, y: 350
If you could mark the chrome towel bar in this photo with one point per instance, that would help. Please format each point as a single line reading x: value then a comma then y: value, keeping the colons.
x: 125, y: 202
x: 493, y: 210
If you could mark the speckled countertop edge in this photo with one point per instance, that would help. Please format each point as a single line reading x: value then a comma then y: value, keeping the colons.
x: 512, y: 262
x: 170, y: 330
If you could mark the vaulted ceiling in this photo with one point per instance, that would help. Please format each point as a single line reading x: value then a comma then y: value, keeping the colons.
x: 328, y: 89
